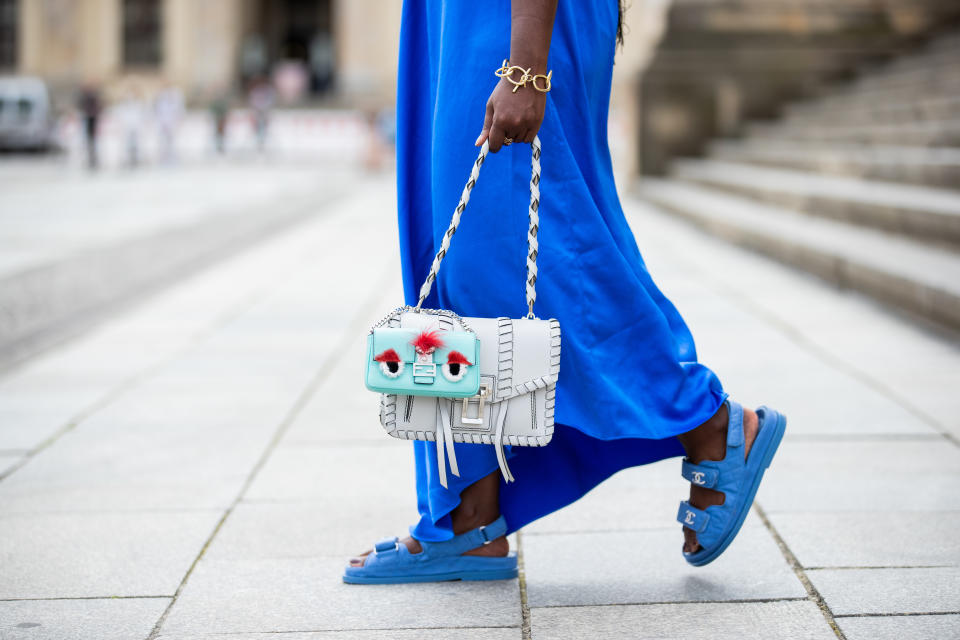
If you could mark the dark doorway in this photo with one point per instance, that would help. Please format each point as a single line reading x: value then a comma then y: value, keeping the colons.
x: 142, y: 25
x: 291, y: 31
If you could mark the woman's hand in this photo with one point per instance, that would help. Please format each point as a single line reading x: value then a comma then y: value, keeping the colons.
x: 517, y: 115
x: 512, y: 114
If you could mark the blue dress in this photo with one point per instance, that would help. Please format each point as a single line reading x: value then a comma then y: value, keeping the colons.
x: 629, y: 376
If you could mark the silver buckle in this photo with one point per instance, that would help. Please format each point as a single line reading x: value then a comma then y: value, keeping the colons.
x: 424, y: 369
x: 481, y: 397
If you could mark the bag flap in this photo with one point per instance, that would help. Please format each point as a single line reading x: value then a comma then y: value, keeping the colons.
x: 464, y: 342
x: 399, y: 340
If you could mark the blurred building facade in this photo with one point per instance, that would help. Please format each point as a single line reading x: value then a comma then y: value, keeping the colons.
x: 338, y: 53
x: 332, y: 50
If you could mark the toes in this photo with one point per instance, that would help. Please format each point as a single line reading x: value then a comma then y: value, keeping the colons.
x: 358, y: 561
x: 690, y: 543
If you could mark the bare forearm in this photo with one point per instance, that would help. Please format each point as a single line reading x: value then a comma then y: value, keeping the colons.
x: 512, y: 115
x: 531, y: 27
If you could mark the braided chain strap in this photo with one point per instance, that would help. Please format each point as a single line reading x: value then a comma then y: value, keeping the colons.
x: 532, y: 246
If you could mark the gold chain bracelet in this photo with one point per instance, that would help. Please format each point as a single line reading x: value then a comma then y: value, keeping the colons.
x: 507, y: 70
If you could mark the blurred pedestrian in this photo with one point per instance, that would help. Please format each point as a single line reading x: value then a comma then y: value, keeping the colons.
x: 168, y: 110
x: 131, y: 116
x: 381, y: 137
x: 220, y: 111
x: 261, y: 99
x: 322, y: 62
x: 89, y: 104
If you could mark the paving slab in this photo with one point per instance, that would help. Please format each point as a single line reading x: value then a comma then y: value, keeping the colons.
x: 82, y: 213
x: 633, y: 499
x: 132, y: 465
x: 857, y: 591
x: 449, y: 633
x: 187, y: 436
x: 31, y: 413
x: 870, y: 539
x: 789, y: 620
x: 874, y: 476
x: 935, y: 627
x: 9, y: 460
x: 301, y: 472
x: 107, y: 619
x: 295, y: 594
x: 75, y: 555
x: 647, y: 567
x: 336, y: 529
x: 53, y: 390
x: 188, y: 410
x: 98, y: 260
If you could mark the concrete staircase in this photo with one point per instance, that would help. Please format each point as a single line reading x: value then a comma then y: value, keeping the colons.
x: 860, y: 186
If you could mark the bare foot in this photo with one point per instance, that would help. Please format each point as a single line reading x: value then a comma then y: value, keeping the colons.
x: 709, y: 442
x: 479, y: 506
x: 496, y: 548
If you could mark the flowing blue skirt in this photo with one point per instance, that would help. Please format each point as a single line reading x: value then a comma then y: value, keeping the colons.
x: 629, y: 376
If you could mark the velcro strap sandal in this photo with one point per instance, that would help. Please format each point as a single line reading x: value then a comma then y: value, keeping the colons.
x: 392, y: 563
x: 738, y: 479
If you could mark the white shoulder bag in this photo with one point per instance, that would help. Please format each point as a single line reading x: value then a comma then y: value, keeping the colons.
x: 519, y: 361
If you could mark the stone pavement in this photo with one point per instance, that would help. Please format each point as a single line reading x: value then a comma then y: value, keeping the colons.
x: 75, y: 246
x: 201, y: 466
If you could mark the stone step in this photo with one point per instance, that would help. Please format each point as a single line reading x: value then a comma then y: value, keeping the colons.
x: 932, y: 72
x: 924, y: 213
x: 913, y: 276
x: 841, y: 99
x: 946, y: 41
x: 937, y: 167
x: 908, y: 69
x: 916, y: 109
x: 945, y: 133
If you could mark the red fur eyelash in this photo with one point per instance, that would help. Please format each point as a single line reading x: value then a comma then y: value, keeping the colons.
x: 455, y: 357
x: 427, y: 341
x: 388, y: 356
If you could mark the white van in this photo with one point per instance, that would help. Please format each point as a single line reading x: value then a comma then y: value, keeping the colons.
x: 26, y: 119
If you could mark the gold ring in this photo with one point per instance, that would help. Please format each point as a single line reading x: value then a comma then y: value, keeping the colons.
x: 507, y: 141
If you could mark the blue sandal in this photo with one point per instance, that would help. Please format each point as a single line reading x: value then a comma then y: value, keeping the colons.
x: 392, y: 563
x: 736, y: 478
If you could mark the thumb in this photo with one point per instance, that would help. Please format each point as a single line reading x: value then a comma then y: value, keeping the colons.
x: 487, y: 122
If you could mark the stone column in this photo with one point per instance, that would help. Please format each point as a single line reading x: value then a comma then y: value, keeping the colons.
x: 70, y: 41
x: 367, y: 38
x: 643, y: 26
x: 201, y: 43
